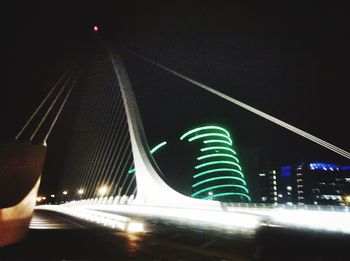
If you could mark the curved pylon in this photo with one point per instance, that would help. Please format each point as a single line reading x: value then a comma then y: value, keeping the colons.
x: 151, y: 189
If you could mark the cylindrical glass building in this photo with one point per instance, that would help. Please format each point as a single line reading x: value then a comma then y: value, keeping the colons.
x: 218, y: 172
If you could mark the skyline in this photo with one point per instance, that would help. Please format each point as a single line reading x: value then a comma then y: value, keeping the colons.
x: 284, y: 72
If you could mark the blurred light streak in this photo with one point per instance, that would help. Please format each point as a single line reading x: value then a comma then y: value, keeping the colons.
x: 226, y: 217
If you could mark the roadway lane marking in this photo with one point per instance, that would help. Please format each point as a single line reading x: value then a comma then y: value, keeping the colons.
x: 108, y: 237
x: 208, y: 243
x: 159, y: 241
x: 39, y: 221
x: 198, y: 250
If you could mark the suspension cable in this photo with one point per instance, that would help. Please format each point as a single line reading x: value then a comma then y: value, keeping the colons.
x: 42, y: 103
x: 51, y: 106
x: 245, y: 106
x: 60, y: 110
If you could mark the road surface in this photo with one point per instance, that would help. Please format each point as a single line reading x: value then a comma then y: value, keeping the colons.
x: 54, y: 236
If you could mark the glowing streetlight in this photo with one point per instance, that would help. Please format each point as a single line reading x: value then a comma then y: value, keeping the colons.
x: 40, y: 198
x: 95, y: 28
x: 135, y: 227
x: 80, y: 191
x: 347, y: 199
x: 65, y: 192
x: 102, y: 190
x: 52, y: 195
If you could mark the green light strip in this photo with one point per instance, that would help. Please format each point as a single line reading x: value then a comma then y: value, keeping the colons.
x: 218, y: 148
x: 158, y: 146
x: 218, y: 155
x: 218, y: 170
x: 222, y: 159
x: 219, y: 186
x: 218, y: 162
x: 227, y: 194
x: 218, y: 178
x: 217, y: 141
x: 204, y: 128
x: 155, y: 148
x: 208, y: 135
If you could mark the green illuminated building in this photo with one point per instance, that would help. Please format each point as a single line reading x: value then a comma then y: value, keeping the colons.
x: 218, y: 172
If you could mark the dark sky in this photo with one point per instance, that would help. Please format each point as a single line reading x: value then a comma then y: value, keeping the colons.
x: 288, y: 59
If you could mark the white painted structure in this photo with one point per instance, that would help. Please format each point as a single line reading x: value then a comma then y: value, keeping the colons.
x: 155, y: 198
x: 151, y: 189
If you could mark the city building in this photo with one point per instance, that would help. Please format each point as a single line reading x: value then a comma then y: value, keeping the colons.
x: 218, y: 174
x: 313, y: 183
x: 268, y: 186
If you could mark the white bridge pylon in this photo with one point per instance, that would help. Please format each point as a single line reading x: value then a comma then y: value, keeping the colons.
x: 151, y: 189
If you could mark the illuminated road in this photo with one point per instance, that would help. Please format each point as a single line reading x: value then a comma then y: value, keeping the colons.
x: 56, y: 236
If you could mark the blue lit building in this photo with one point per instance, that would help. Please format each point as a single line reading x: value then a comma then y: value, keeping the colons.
x: 315, y: 183
x: 322, y: 183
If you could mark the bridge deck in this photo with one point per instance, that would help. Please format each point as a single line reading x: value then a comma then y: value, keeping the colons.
x: 56, y: 236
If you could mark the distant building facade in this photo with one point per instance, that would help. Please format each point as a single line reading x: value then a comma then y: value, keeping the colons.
x: 268, y: 186
x: 315, y: 183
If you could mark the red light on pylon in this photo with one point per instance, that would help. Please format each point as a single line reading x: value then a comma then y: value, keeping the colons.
x: 95, y: 29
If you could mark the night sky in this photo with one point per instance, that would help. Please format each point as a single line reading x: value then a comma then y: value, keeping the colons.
x: 289, y: 60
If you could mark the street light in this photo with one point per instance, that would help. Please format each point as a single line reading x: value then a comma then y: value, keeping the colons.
x: 102, y: 190
x: 65, y: 192
x: 40, y: 199
x: 80, y: 191
x: 347, y: 199
x: 52, y: 195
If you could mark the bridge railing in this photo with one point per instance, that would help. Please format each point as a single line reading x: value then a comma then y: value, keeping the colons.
x: 126, y: 200
x: 286, y: 206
